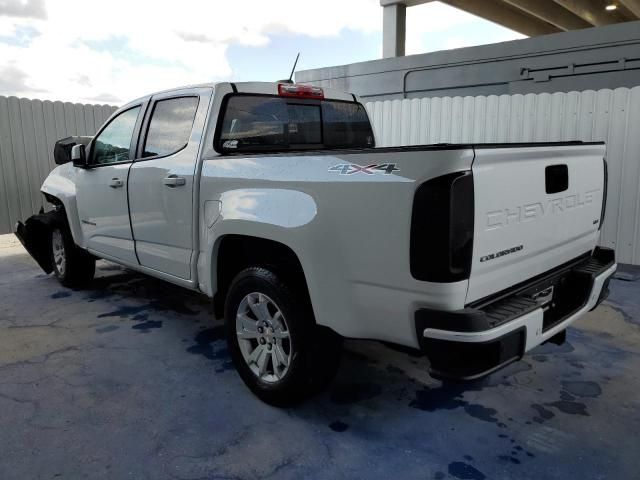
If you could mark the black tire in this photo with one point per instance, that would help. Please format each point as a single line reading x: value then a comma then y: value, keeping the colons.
x: 314, y: 351
x: 79, y: 266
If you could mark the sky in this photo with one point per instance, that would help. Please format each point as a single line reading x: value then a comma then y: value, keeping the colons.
x: 113, y: 51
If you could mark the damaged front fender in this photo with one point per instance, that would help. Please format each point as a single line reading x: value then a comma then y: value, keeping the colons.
x: 35, y: 236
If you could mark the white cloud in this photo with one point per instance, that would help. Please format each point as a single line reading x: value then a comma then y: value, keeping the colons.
x: 461, y: 42
x: 443, y: 19
x: 115, y: 50
x: 161, y: 44
x: 430, y: 18
x: 23, y: 8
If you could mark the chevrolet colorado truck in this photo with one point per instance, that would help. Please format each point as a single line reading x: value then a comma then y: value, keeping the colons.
x: 272, y: 199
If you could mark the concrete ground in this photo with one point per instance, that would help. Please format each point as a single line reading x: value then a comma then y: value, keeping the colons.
x: 130, y: 378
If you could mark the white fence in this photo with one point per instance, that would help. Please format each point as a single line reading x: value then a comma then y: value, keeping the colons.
x: 609, y: 115
x: 28, y: 131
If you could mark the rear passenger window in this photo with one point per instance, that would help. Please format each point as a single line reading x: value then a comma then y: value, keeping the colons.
x: 170, y: 126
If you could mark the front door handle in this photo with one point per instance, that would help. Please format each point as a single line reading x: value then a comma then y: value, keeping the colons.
x: 174, y: 181
x: 116, y: 183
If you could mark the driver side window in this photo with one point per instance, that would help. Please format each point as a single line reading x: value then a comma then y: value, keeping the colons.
x: 114, y: 142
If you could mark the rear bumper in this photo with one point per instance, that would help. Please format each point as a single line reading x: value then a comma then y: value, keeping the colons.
x: 489, y: 334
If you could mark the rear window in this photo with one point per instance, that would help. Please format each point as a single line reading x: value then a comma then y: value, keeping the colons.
x: 259, y: 123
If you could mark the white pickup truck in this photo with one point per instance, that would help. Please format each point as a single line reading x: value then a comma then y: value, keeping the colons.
x: 272, y: 200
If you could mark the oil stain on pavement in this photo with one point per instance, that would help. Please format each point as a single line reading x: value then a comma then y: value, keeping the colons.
x: 211, y: 344
x: 464, y: 471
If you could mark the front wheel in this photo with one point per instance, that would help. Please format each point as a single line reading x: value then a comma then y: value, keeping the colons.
x: 72, y: 266
x: 276, y: 346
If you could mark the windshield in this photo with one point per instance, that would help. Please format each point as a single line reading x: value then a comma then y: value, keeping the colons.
x: 258, y: 123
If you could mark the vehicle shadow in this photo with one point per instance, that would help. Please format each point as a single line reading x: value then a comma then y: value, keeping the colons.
x: 117, y: 285
x: 373, y: 377
x: 368, y: 368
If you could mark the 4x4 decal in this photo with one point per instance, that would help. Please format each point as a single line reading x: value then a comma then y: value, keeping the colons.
x: 351, y: 168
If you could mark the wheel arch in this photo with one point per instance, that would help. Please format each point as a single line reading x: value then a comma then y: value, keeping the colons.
x: 59, y: 189
x: 234, y: 252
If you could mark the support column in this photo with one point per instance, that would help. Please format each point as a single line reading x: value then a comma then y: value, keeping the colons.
x: 394, y: 22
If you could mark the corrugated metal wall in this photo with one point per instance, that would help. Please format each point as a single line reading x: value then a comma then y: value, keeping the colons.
x: 609, y: 115
x: 28, y: 131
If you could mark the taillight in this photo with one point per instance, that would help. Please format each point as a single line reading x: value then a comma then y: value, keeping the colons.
x: 604, y: 194
x: 442, y: 229
x: 300, y: 91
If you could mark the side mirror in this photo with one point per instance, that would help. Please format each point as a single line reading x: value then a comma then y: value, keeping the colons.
x: 79, y: 156
x: 62, y: 148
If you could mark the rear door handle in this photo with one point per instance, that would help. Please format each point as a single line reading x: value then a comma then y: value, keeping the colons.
x: 174, y: 181
x: 116, y: 183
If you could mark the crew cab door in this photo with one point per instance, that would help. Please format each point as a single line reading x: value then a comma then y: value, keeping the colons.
x: 161, y: 181
x: 101, y: 188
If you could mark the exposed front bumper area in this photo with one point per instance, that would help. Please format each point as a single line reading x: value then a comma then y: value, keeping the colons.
x: 34, y: 234
x: 493, y: 332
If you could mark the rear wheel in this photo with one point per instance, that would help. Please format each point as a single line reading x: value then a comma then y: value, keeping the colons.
x: 263, y: 337
x: 276, y: 346
x: 72, y: 266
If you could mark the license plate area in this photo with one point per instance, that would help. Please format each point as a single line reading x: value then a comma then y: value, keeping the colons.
x: 542, y: 296
x: 569, y: 294
x: 560, y: 296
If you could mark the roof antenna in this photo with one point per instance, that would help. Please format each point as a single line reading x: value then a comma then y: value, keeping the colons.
x: 293, y: 70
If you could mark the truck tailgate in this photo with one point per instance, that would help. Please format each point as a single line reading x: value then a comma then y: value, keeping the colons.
x: 536, y: 207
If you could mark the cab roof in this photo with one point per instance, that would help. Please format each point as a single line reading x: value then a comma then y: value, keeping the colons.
x: 261, y: 88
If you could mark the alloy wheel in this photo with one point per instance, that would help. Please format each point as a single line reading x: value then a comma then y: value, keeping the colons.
x: 263, y: 337
x: 59, y: 253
